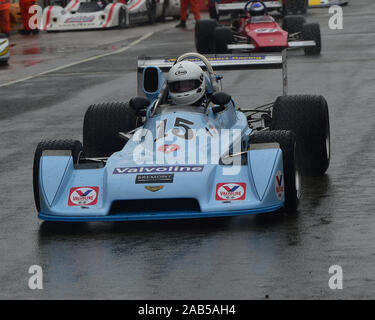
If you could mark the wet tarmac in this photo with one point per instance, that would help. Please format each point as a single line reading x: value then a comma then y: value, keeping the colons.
x: 284, y: 256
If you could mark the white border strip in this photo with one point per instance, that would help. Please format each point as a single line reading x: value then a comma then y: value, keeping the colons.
x: 132, y: 44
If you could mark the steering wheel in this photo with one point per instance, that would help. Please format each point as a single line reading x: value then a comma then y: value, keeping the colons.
x: 253, y: 1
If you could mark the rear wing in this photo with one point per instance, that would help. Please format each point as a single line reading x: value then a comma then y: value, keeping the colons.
x: 223, y: 62
x: 238, y: 7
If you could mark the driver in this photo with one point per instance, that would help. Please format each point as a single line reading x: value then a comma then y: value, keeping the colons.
x: 187, y: 84
x: 257, y: 9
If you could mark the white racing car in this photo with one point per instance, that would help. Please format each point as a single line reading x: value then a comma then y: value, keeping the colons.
x: 327, y: 3
x: 4, y: 48
x: 64, y: 15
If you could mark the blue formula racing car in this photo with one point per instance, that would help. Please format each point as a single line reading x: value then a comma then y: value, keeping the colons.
x: 160, y: 157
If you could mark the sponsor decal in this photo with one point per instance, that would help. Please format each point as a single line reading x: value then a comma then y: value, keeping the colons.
x: 180, y: 72
x: 266, y: 30
x: 80, y: 19
x: 154, y: 188
x: 154, y: 178
x: 230, y: 191
x: 225, y: 58
x: 168, y: 148
x: 83, y: 196
x: 279, y: 185
x: 157, y: 169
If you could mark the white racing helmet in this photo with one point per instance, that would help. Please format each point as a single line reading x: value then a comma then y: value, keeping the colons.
x: 257, y: 9
x: 186, y: 83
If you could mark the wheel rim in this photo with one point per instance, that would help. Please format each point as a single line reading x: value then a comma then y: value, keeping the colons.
x: 328, y: 142
x: 297, y: 173
x: 328, y: 147
x: 122, y: 18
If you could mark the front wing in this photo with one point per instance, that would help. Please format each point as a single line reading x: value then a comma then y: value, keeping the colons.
x: 109, y: 193
x: 291, y: 45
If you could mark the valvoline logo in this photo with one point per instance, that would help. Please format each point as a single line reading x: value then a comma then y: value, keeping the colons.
x: 83, y: 196
x: 230, y: 191
x: 279, y: 185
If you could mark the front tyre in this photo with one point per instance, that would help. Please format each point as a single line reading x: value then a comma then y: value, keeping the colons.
x: 311, y: 31
x: 74, y: 146
x: 122, y: 19
x: 308, y: 117
x: 291, y: 162
x: 101, y: 127
x: 164, y: 11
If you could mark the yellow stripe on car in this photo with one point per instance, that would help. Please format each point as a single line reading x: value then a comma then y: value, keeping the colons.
x: 4, y: 52
x: 314, y: 2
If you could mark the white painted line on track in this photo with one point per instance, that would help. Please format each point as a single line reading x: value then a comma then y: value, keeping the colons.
x: 130, y: 45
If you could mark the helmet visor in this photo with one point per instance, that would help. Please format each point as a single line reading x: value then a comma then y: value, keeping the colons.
x: 183, y: 86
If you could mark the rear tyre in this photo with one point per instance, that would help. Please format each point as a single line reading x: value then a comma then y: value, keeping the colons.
x: 122, y: 19
x: 292, y: 176
x: 222, y: 37
x: 204, y: 36
x: 101, y: 127
x: 74, y: 146
x: 296, y: 6
x: 213, y: 13
x: 293, y: 24
x: 311, y: 31
x: 164, y: 11
x: 307, y: 116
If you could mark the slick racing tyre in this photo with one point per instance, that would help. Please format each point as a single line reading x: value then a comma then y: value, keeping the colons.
x: 292, y: 177
x: 74, y: 146
x: 101, y: 127
x: 296, y: 6
x: 213, y: 13
x: 204, y: 36
x: 293, y: 24
x: 307, y: 116
x: 122, y: 19
x: 222, y: 37
x: 311, y: 31
x: 164, y: 11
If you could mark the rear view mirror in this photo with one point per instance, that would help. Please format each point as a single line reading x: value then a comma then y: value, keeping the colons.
x: 152, y: 82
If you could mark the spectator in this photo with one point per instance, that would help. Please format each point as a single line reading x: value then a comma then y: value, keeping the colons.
x: 194, y: 7
x: 25, y: 15
x: 4, y: 17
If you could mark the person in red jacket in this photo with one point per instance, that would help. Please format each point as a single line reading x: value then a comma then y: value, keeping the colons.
x: 194, y: 8
x: 4, y: 17
x: 26, y: 16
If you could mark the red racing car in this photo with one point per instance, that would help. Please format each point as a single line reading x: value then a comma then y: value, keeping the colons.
x: 253, y: 29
